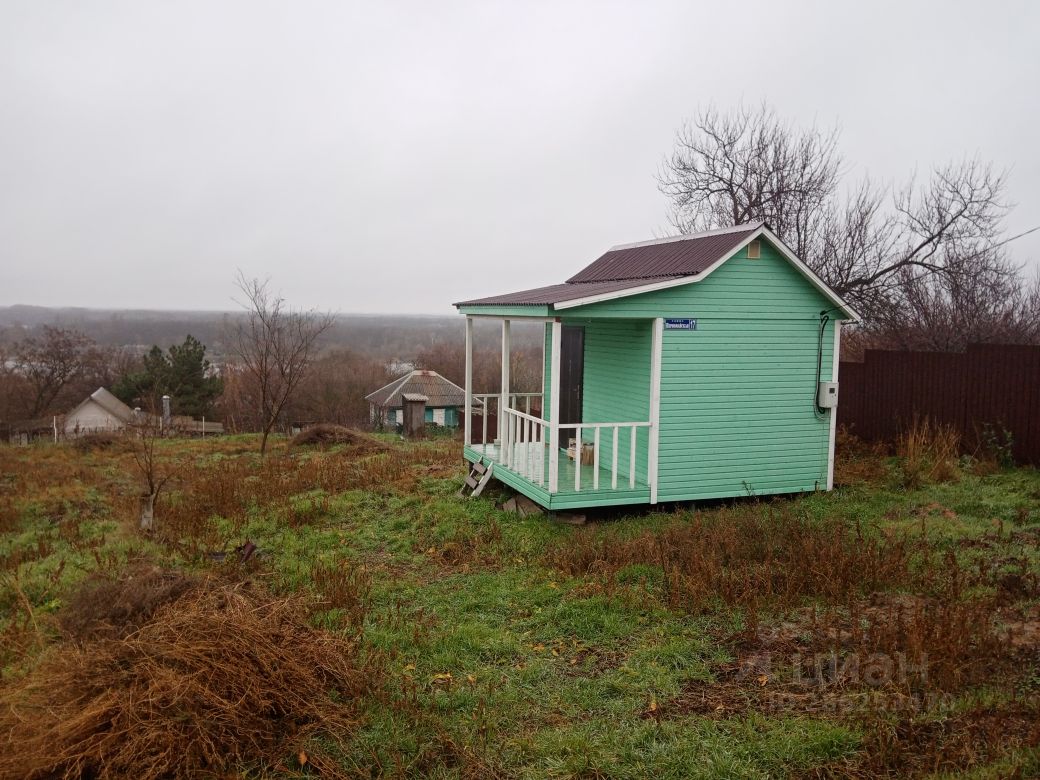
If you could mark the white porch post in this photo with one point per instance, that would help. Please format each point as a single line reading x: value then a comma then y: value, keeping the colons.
x: 656, y: 350
x: 504, y: 422
x: 554, y: 407
x: 833, y: 427
x: 468, y: 424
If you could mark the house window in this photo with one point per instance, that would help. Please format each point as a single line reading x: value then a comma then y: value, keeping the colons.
x: 754, y: 250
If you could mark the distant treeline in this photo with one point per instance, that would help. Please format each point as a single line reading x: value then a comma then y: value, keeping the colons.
x: 48, y: 365
x: 383, y: 336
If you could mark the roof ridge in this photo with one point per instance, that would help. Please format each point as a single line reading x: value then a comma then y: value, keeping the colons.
x: 108, y: 401
x: 746, y: 227
x: 398, y: 380
x: 670, y: 275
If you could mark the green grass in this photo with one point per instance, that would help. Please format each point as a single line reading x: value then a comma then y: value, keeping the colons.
x: 496, y: 663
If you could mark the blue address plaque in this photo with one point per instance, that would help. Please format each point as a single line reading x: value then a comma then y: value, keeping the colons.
x: 680, y: 324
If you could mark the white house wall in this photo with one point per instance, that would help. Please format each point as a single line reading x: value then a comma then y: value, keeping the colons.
x: 91, y: 417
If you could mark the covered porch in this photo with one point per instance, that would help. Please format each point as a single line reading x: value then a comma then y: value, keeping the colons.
x: 590, y: 437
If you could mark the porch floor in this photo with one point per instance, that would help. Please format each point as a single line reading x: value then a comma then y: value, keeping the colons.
x: 566, y: 497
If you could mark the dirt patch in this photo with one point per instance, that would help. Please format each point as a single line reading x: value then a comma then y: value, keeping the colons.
x: 220, y: 680
x: 477, y: 546
x: 594, y: 661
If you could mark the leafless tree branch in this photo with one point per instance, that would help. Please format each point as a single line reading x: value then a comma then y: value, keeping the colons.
x: 275, y: 345
x: 907, y: 256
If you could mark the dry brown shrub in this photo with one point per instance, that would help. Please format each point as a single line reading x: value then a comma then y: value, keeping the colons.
x: 42, y: 547
x: 104, y: 607
x: 345, y: 588
x: 101, y: 441
x: 856, y: 462
x: 222, y: 680
x: 10, y: 517
x: 748, y: 556
x: 912, y: 746
x: 929, y: 452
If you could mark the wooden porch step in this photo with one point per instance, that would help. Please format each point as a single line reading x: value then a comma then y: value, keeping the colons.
x: 477, y: 479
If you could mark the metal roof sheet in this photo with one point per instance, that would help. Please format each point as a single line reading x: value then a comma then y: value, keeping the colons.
x: 679, y: 256
x: 438, y: 390
x: 630, y: 266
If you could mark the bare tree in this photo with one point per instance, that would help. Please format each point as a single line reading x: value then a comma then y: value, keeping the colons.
x: 335, y: 388
x: 275, y: 345
x: 727, y: 169
x: 51, y: 363
x: 145, y: 432
x: 946, y: 312
x: 866, y: 241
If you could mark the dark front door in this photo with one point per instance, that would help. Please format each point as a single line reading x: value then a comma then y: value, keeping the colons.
x: 572, y: 372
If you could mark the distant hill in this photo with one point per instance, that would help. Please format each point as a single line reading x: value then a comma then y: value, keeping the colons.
x: 382, y: 335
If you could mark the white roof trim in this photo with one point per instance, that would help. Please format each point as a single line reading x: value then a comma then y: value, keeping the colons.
x: 762, y: 230
x: 690, y: 236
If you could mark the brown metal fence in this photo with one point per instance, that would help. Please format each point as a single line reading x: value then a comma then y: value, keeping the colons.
x: 989, y: 384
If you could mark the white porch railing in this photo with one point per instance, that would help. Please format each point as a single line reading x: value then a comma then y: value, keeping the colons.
x: 486, y: 404
x: 632, y: 427
x: 523, y: 446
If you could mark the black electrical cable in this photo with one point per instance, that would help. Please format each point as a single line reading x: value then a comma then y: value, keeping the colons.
x: 824, y: 319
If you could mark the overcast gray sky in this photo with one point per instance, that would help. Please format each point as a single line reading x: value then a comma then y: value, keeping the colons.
x: 396, y: 157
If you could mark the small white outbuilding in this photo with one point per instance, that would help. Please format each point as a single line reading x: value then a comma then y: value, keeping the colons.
x: 99, y: 412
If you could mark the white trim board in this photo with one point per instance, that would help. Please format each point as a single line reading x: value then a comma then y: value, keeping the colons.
x: 653, y: 444
x: 554, y: 407
x: 832, y: 433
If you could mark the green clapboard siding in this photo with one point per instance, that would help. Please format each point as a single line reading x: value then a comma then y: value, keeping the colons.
x: 617, y: 387
x: 738, y: 393
x: 739, y: 425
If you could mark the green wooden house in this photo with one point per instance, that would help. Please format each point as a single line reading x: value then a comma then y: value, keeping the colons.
x: 696, y: 367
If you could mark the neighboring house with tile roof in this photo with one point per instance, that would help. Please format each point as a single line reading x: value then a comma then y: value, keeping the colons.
x: 445, y: 399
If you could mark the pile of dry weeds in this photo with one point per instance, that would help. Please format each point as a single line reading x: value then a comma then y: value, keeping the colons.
x: 327, y: 435
x: 186, y: 678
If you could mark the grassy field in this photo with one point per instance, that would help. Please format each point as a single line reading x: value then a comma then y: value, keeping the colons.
x: 889, y: 628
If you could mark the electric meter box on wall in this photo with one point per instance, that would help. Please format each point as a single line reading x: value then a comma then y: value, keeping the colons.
x: 827, y: 395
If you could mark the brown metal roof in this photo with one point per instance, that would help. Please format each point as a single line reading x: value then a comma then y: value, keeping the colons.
x: 438, y: 390
x: 633, y: 265
x: 681, y: 256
